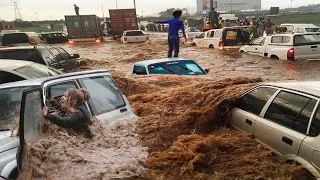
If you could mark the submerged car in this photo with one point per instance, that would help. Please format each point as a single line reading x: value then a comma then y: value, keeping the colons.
x: 52, y: 56
x: 285, y: 116
x: 14, y: 70
x: 54, y: 37
x: 169, y: 66
x: 134, y: 36
x: 226, y: 38
x: 23, y: 101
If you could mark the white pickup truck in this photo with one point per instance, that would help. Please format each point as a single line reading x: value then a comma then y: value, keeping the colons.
x: 286, y: 46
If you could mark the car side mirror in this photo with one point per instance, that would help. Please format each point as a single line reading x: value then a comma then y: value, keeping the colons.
x: 207, y: 70
x: 75, y: 56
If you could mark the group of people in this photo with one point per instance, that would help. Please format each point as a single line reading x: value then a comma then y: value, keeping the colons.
x: 259, y: 25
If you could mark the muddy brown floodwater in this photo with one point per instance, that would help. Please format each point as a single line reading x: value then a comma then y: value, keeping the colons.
x: 180, y: 133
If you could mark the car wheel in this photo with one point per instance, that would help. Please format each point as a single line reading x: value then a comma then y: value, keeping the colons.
x: 241, y: 51
x: 274, y: 57
x: 211, y: 46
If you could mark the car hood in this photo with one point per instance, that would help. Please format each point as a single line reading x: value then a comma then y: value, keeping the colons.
x: 7, y: 142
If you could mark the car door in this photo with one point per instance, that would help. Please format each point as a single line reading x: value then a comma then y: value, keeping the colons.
x: 249, y: 107
x: 31, y: 121
x: 285, y: 121
x: 256, y: 46
x: 200, y: 39
x: 310, y: 147
x: 107, y: 103
x: 208, y: 41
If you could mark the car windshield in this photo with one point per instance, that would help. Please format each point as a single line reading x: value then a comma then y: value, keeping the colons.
x: 21, y: 54
x: 134, y: 33
x: 10, y: 100
x: 36, y: 71
x: 185, y: 67
x: 313, y: 29
x: 15, y: 38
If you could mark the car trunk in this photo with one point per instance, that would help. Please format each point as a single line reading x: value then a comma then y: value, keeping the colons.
x: 136, y: 36
x: 233, y: 38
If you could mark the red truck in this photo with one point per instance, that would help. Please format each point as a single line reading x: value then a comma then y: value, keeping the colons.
x: 123, y: 20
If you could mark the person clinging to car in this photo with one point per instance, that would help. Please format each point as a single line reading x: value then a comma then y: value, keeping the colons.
x: 80, y: 118
x: 175, y: 25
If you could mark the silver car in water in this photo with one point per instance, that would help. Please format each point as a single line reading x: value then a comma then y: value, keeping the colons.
x: 284, y: 116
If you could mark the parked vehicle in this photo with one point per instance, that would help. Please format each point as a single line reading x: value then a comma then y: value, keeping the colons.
x: 286, y: 46
x: 84, y: 28
x: 134, y: 36
x: 51, y: 56
x: 20, y: 39
x: 300, y: 28
x: 107, y: 104
x: 54, y: 37
x: 169, y: 66
x: 229, y: 37
x: 15, y: 70
x: 284, y: 116
x: 123, y: 20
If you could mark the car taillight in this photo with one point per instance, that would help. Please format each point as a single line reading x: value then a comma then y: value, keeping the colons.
x: 125, y: 39
x: 220, y: 43
x: 71, y: 42
x: 97, y: 41
x: 290, y: 54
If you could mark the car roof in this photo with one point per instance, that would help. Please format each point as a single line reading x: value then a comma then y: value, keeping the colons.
x: 21, y: 47
x: 299, y: 25
x: 309, y: 87
x: 38, y: 82
x: 155, y: 61
x: 10, y: 65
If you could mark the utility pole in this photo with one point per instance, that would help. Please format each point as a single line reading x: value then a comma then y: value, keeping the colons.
x: 134, y: 3
x: 291, y: 3
x: 102, y: 10
x: 36, y: 15
x: 116, y: 4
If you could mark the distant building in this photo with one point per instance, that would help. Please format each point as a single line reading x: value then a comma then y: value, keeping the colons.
x: 229, y: 5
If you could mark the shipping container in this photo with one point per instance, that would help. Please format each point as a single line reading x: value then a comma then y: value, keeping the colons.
x: 83, y: 27
x: 122, y: 20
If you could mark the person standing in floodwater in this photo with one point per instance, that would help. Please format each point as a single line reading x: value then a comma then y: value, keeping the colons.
x: 80, y: 119
x: 76, y: 9
x: 175, y: 25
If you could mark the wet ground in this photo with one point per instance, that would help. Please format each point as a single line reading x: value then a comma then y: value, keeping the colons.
x: 179, y: 124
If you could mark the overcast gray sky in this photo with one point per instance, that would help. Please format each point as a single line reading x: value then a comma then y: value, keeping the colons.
x: 56, y: 9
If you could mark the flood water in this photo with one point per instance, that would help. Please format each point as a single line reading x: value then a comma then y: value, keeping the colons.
x: 178, y: 134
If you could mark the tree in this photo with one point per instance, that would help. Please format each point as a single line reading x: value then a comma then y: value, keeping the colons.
x: 167, y: 13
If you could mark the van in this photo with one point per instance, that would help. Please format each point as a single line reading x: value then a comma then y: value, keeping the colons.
x: 20, y: 39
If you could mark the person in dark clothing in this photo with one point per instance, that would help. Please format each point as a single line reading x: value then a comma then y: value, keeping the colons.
x: 76, y: 9
x: 175, y: 25
x: 80, y: 117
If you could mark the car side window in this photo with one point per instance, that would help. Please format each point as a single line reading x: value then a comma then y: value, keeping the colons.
x: 301, y: 30
x: 202, y: 35
x: 105, y: 96
x: 58, y: 90
x: 46, y: 54
x: 258, y: 41
x: 315, y: 125
x: 291, y: 110
x: 210, y: 34
x: 280, y: 39
x: 254, y: 101
x: 6, y: 77
x: 140, y: 70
